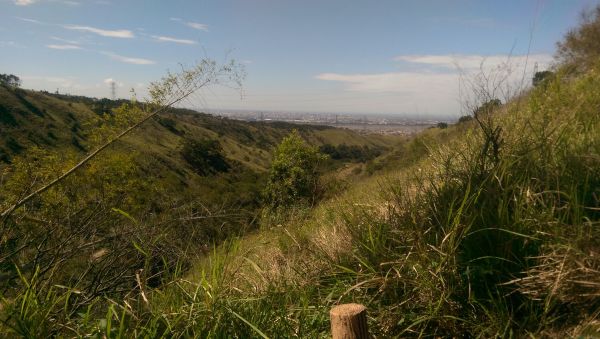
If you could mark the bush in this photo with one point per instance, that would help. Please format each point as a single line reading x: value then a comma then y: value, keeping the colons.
x: 464, y: 119
x: 6, y: 117
x: 539, y: 77
x: 205, y: 156
x: 13, y: 145
x: 169, y: 124
x: 487, y: 107
x: 294, y: 177
x: 582, y: 45
x: 350, y: 152
x: 10, y: 80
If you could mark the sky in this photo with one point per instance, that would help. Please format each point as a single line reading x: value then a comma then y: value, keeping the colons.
x: 335, y: 56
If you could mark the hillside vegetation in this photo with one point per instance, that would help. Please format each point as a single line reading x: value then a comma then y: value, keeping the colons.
x: 487, y: 228
x: 463, y: 242
x: 154, y: 201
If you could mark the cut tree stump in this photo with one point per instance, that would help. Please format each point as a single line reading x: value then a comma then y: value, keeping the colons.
x: 349, y: 321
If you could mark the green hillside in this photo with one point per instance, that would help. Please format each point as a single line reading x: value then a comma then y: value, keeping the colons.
x: 485, y: 228
x: 156, y: 200
x: 459, y: 242
x: 73, y: 126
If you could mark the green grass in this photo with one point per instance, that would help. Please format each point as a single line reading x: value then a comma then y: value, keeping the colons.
x: 456, y: 244
x: 448, y: 238
x: 68, y: 258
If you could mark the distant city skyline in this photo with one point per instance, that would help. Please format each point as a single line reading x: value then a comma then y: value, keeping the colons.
x: 335, y: 56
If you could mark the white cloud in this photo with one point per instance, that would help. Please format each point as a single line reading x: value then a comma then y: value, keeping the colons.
x: 30, y: 20
x: 434, y: 87
x: 51, y: 82
x: 194, y: 25
x: 197, y: 25
x: 109, y: 81
x: 475, y: 62
x: 31, y: 2
x: 129, y: 60
x: 122, y: 33
x: 24, y: 2
x: 63, y: 47
x: 70, y: 42
x: 438, y: 70
x: 398, y: 82
x: 424, y: 93
x: 175, y: 40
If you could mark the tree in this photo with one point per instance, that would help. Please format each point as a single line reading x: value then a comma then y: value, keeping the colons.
x: 294, y: 177
x: 10, y: 80
x: 582, y: 45
x: 538, y: 77
x: 487, y: 107
x: 205, y: 156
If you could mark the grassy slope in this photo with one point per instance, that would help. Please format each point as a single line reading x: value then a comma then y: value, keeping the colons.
x: 452, y: 241
x: 162, y: 204
x: 30, y: 117
x: 457, y: 243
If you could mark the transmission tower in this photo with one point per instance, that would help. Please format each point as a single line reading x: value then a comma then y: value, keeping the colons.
x: 113, y: 90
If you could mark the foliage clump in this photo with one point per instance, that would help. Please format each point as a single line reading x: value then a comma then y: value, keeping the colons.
x: 205, y: 156
x: 10, y: 80
x: 294, y: 176
x: 541, y: 77
x: 581, y: 46
x: 362, y: 153
x: 464, y: 118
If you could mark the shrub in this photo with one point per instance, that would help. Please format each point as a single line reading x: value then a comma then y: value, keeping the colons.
x: 487, y: 107
x: 13, y: 145
x: 205, y: 156
x: 294, y: 177
x: 169, y: 124
x: 350, y: 152
x: 539, y: 77
x: 464, y: 119
x: 6, y: 117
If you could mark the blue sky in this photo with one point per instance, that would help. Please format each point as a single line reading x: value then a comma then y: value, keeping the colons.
x: 311, y: 55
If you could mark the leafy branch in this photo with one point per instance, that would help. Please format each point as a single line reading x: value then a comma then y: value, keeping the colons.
x: 166, y: 93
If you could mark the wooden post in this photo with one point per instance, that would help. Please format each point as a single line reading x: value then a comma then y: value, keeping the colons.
x: 349, y: 321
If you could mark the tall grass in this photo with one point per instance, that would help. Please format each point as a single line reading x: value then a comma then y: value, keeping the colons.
x: 480, y: 235
x: 462, y: 243
x: 465, y: 244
